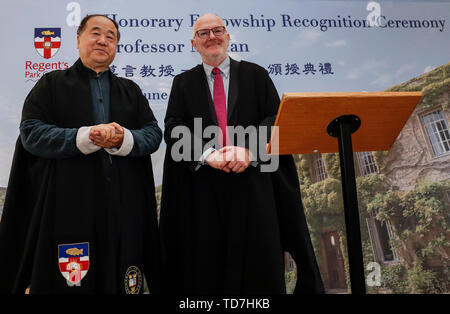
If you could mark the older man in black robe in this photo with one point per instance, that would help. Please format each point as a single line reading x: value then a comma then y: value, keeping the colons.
x: 225, y: 223
x: 80, y: 209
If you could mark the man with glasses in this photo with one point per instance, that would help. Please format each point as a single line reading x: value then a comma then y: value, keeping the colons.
x: 225, y: 223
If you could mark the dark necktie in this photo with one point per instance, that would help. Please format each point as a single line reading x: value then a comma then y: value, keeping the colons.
x: 220, y: 106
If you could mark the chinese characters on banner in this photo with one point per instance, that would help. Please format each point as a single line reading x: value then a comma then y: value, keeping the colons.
x: 274, y: 69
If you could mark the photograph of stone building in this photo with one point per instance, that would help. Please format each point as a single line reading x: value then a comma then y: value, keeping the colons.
x: 403, y: 196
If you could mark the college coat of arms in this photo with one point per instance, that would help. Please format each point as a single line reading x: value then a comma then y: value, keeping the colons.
x: 47, y: 41
x: 73, y: 262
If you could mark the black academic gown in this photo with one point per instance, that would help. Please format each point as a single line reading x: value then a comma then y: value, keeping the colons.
x: 53, y: 202
x: 226, y: 233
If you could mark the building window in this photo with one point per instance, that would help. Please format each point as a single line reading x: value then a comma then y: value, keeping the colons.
x: 366, y: 163
x: 436, y: 126
x: 380, y: 234
x: 319, y: 168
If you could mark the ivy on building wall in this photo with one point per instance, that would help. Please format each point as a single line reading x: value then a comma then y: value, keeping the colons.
x: 332, y: 165
x: 419, y: 218
x: 431, y: 84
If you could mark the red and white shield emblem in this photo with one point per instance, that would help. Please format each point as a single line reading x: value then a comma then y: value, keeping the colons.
x: 73, y: 261
x: 47, y: 41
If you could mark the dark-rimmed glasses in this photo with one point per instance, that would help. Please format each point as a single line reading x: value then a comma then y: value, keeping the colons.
x: 217, y: 31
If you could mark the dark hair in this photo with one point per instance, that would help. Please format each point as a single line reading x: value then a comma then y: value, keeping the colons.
x: 86, y: 19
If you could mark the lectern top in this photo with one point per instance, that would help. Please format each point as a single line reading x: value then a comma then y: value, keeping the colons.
x: 303, y: 118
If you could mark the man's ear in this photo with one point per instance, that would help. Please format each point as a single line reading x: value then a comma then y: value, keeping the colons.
x: 193, y: 44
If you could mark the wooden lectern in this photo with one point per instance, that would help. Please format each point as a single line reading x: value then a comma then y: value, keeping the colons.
x: 310, y: 123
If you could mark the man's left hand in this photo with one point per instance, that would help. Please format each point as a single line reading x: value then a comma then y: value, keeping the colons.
x: 239, y: 158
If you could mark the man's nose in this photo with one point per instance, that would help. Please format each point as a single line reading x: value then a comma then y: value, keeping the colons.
x: 211, y: 35
x: 101, y: 40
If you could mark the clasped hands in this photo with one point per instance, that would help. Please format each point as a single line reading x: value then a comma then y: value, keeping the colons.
x: 230, y: 158
x: 107, y: 135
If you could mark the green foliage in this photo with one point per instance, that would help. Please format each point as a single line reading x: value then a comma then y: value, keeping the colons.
x: 431, y: 93
x: 399, y: 279
x: 420, y: 218
x: 368, y: 187
x: 323, y: 204
x: 432, y: 84
x: 343, y: 246
x: 421, y: 280
x: 332, y: 165
x: 303, y: 163
x: 291, y: 279
x: 388, y: 207
x: 380, y: 159
x: 416, y: 213
x: 394, y: 277
x: 2, y: 196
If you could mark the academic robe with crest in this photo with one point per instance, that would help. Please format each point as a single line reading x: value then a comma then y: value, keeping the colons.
x: 102, y: 216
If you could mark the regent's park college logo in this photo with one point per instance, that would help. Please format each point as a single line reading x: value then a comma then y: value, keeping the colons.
x: 47, y: 41
x: 73, y: 260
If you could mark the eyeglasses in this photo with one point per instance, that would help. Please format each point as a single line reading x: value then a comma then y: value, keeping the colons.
x: 217, y: 31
